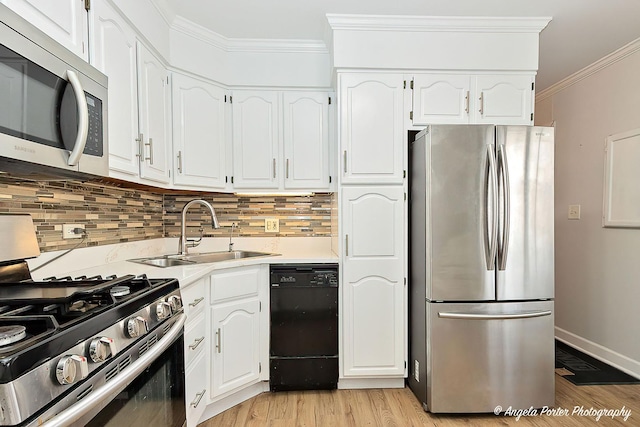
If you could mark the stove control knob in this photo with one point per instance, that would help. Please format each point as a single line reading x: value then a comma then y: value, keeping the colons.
x: 72, y: 368
x: 163, y: 310
x: 175, y: 302
x: 136, y: 326
x: 100, y: 349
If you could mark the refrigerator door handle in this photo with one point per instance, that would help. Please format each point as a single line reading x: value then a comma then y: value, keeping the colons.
x: 476, y: 316
x: 506, y: 213
x: 491, y: 242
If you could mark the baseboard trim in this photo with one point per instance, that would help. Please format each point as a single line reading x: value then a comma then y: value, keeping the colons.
x: 604, y: 354
x: 360, y: 383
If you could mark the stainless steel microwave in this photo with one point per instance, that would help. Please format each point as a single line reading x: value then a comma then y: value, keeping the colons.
x: 53, y: 104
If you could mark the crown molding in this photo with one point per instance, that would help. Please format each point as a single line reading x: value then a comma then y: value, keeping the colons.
x: 165, y: 11
x: 437, y: 23
x: 589, y: 70
x: 205, y: 35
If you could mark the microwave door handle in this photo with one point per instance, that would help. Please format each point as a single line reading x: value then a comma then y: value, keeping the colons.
x: 120, y: 382
x: 83, y: 119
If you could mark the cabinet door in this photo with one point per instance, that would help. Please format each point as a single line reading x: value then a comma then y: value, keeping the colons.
x: 306, y: 140
x: 504, y: 99
x: 198, y: 133
x: 373, y: 289
x: 372, y: 129
x: 113, y: 51
x: 441, y: 98
x: 235, y: 349
x: 155, y: 116
x: 65, y: 21
x: 255, y: 140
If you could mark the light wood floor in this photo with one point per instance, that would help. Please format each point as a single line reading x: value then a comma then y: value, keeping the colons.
x: 399, y: 408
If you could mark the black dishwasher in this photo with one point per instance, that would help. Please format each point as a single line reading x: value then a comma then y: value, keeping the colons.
x: 304, y: 327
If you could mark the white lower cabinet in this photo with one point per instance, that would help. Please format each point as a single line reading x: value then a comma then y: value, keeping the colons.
x: 196, y: 389
x: 236, y: 346
x: 238, y: 321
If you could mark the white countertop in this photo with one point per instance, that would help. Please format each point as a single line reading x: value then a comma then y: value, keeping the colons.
x: 112, y: 259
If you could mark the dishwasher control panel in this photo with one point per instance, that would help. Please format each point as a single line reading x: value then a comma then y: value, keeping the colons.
x: 304, y: 275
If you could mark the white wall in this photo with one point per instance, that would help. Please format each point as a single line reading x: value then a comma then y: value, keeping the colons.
x: 597, y: 269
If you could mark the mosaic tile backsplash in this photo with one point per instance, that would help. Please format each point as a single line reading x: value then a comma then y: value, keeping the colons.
x: 113, y: 214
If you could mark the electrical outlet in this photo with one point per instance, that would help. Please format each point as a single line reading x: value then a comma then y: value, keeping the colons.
x: 574, y: 212
x: 271, y: 225
x: 68, y: 231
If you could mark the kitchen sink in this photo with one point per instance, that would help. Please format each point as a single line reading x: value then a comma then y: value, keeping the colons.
x: 201, y: 258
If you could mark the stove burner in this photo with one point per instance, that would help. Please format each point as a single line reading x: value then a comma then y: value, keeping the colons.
x: 11, y: 333
x: 120, y: 291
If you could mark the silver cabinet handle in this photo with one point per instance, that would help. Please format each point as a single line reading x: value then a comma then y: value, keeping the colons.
x: 196, y: 302
x: 481, y: 103
x: 139, y: 141
x: 504, y: 173
x: 218, y: 343
x: 466, y: 101
x: 287, y: 170
x: 344, y: 160
x: 491, y: 242
x: 198, y: 398
x: 83, y: 119
x: 274, y: 168
x: 474, y: 316
x: 180, y: 161
x: 150, y: 145
x: 346, y: 244
x: 196, y: 343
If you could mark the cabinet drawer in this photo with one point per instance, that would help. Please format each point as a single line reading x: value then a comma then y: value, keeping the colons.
x: 193, y: 298
x: 196, y: 390
x: 235, y: 283
x: 194, y: 338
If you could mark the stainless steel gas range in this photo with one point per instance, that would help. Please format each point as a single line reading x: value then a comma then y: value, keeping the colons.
x: 88, y: 350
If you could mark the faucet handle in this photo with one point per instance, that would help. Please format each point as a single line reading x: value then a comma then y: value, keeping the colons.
x: 192, y: 243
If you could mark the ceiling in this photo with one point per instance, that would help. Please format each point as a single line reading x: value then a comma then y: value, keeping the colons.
x: 581, y: 32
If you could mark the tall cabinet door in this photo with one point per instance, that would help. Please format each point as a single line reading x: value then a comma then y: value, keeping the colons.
x: 371, y: 129
x: 114, y: 53
x: 154, y: 116
x: 373, y: 289
x: 198, y: 132
x: 504, y: 99
x: 63, y: 20
x: 236, y: 345
x: 255, y: 140
x: 306, y: 140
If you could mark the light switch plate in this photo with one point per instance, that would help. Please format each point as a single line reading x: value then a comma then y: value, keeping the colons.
x: 574, y: 212
x: 271, y: 225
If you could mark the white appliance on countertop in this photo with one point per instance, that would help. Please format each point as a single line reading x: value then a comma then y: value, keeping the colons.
x: 482, y: 268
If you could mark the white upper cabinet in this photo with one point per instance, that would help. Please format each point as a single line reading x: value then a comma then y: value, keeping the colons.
x: 198, y: 133
x: 256, y: 133
x: 154, y: 112
x: 372, y: 128
x: 504, y: 99
x: 462, y: 98
x: 306, y: 140
x: 65, y: 21
x: 113, y: 51
x: 280, y: 140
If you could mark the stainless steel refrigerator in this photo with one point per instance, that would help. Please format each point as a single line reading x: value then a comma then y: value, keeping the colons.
x: 482, y: 268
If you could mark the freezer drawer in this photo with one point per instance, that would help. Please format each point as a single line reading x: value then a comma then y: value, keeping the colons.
x: 483, y: 355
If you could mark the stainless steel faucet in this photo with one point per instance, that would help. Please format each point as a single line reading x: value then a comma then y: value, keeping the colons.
x: 184, y: 242
x: 233, y: 225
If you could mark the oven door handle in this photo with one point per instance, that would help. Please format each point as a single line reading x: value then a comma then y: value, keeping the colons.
x: 120, y: 382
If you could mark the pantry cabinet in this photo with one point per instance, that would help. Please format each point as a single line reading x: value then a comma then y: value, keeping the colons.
x: 373, y: 281
x: 65, y: 21
x: 280, y: 140
x: 199, y: 141
x: 500, y: 99
x: 372, y: 128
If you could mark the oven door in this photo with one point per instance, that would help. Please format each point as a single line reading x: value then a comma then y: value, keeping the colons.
x: 149, y: 391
